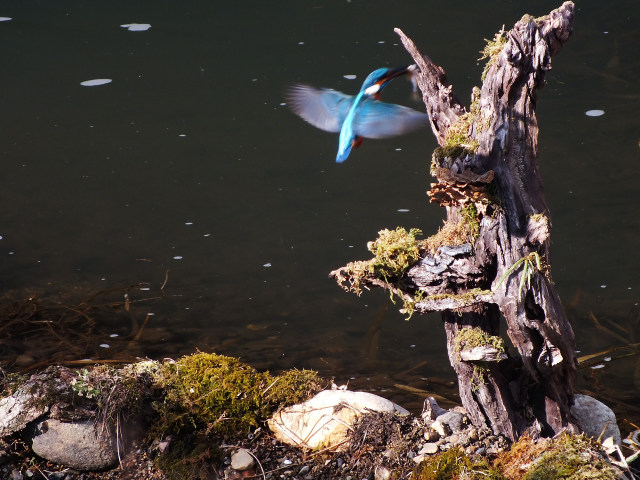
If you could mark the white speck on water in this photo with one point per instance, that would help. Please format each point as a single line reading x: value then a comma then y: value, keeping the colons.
x: 607, y: 359
x: 188, y: 223
x: 182, y: 135
x: 114, y: 335
x: 11, y: 253
x: 403, y: 210
x: 178, y: 257
x: 144, y: 288
x: 381, y: 41
x: 5, y: 19
x: 267, y: 265
x: 596, y: 367
x: 0, y: 237
x: 594, y: 113
x: 398, y: 149
x: 96, y: 82
x: 137, y: 27
x: 300, y: 43
x: 349, y: 246
x: 603, y: 286
x: 350, y: 77
x: 207, y: 235
x: 282, y: 104
x: 104, y: 345
x: 605, y: 32
x: 413, y: 345
x: 103, y: 278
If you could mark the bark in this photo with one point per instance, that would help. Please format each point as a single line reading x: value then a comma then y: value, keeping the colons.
x: 505, y: 270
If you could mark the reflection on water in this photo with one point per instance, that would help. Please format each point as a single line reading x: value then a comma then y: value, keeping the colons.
x: 188, y: 162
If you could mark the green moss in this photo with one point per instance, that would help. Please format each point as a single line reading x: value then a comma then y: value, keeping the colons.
x: 454, y: 464
x: 465, y: 230
x: 464, y: 297
x: 11, y: 381
x: 539, y: 217
x: 457, y: 143
x: 492, y: 50
x: 395, y: 251
x: 223, y: 395
x: 469, y: 338
x: 571, y: 457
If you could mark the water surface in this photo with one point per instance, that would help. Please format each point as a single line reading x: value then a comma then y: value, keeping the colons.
x: 188, y: 161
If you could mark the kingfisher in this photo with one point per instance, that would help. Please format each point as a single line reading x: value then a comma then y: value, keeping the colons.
x: 356, y: 117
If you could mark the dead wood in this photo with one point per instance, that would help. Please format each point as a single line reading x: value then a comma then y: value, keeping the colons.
x: 488, y: 177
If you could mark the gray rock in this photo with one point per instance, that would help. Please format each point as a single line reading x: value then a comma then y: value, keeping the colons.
x: 80, y: 445
x: 242, y: 460
x: 453, y: 421
x: 592, y: 416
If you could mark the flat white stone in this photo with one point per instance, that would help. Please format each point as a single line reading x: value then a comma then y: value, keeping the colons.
x: 325, y: 420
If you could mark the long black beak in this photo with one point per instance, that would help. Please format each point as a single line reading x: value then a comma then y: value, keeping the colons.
x: 396, y: 72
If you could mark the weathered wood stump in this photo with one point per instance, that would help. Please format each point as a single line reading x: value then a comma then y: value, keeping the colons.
x: 491, y: 258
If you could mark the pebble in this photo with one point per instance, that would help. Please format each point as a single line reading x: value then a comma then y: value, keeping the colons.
x: 431, y: 435
x: 382, y: 473
x: 454, y: 420
x: 241, y: 460
x: 428, y: 448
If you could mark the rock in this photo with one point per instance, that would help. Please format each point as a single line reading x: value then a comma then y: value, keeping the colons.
x: 80, y: 445
x: 431, y: 435
x: 442, y: 429
x: 592, y: 416
x: 382, y: 473
x: 428, y: 449
x: 451, y: 421
x: 324, y: 420
x: 242, y: 460
x: 26, y: 404
x: 431, y: 410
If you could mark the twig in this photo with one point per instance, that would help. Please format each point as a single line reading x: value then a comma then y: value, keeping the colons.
x: 166, y: 279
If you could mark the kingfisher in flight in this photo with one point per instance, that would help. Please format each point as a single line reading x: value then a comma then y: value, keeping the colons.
x: 356, y: 117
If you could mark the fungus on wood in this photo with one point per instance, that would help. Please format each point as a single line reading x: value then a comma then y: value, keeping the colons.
x: 491, y: 258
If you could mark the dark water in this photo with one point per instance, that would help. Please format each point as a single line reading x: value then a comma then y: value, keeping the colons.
x: 188, y: 161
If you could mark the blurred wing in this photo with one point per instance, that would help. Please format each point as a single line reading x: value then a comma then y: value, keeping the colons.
x: 379, y: 120
x: 323, y: 108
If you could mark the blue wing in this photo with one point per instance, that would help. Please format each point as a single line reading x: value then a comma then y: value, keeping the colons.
x: 376, y: 119
x: 323, y: 108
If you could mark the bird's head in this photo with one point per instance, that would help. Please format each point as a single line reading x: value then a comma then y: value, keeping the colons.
x: 378, y: 79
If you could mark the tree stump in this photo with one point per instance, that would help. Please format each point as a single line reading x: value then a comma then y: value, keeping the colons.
x: 491, y: 258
